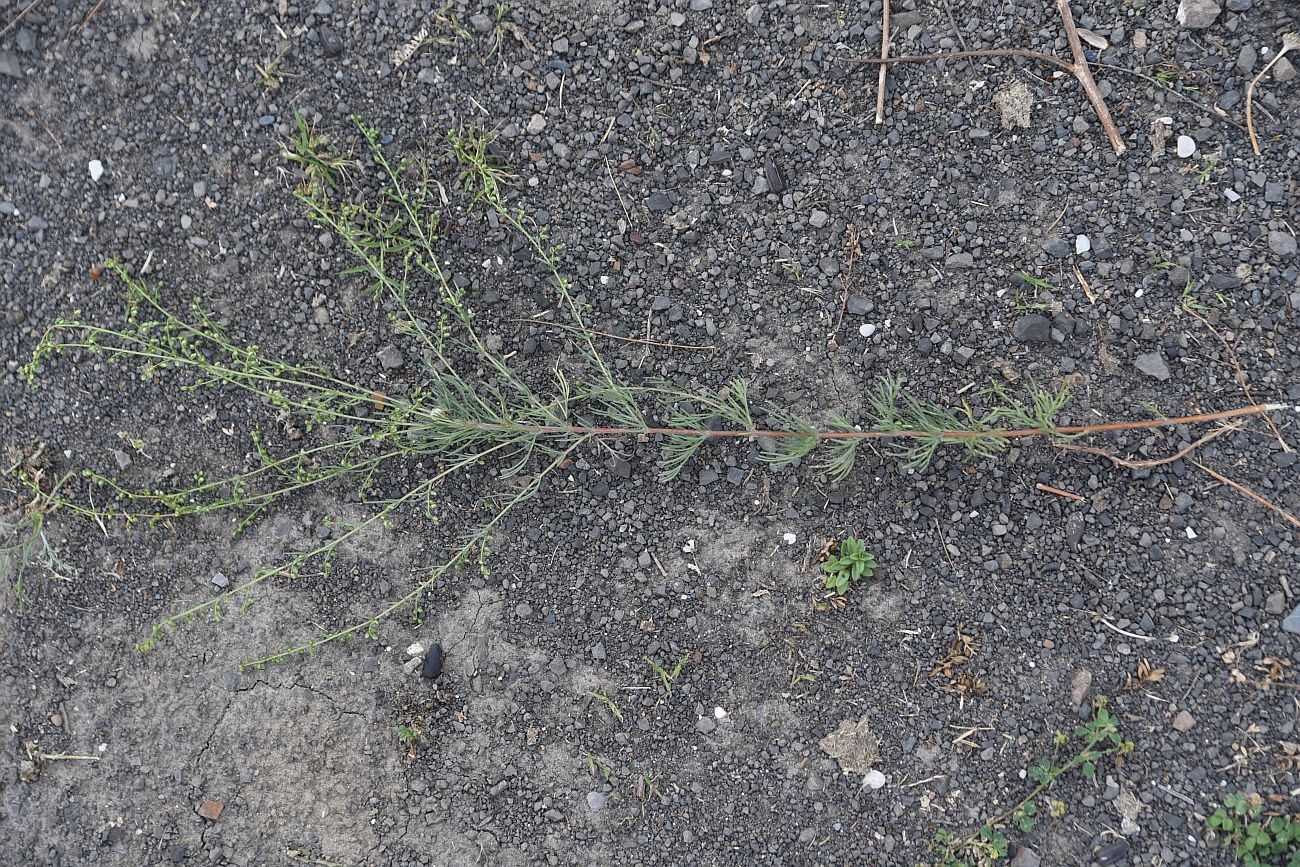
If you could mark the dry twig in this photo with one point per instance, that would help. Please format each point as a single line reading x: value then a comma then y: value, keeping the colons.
x: 19, y: 17
x: 1249, y: 493
x: 1144, y: 465
x: 1289, y: 41
x: 884, y: 67
x: 1078, y: 68
x: 1241, y: 377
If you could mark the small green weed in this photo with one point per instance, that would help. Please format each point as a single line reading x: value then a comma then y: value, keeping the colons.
x: 850, y: 565
x: 1204, y: 174
x: 1256, y: 842
x: 1095, y: 740
x: 905, y: 243
x: 667, y: 677
x: 308, y: 150
x: 609, y: 703
x: 1036, y: 282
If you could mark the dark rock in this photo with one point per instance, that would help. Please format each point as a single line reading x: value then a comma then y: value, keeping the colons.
x: 1032, y: 329
x: 1058, y: 247
x: 960, y: 261
x: 330, y: 41
x: 775, y: 182
x: 432, y: 662
x: 658, y: 202
x: 1113, y: 853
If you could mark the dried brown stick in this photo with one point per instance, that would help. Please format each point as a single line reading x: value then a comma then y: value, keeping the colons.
x: 884, y: 67
x: 1078, y: 68
x: 1084, y: 74
x: 1069, y: 495
x: 1249, y: 493
x: 19, y: 17
x: 1289, y: 41
x: 1155, y: 462
x: 94, y: 11
x: 1241, y: 377
x: 1184, y: 97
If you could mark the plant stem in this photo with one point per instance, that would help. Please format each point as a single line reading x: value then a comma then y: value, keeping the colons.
x: 1072, y: 430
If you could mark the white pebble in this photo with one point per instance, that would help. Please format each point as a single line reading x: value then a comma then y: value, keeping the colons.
x: 1186, y: 146
x: 790, y: 538
x: 1232, y: 195
x: 719, y: 713
x: 873, y: 780
x: 1191, y: 534
x: 416, y: 649
x: 96, y: 170
x: 1082, y: 244
x: 866, y: 329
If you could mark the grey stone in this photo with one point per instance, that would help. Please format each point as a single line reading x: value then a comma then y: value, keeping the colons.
x: 1198, y: 14
x: 481, y: 23
x: 390, y: 357
x: 754, y: 14
x: 775, y: 182
x: 860, y: 305
x: 1025, y: 857
x: 1153, y: 364
x: 960, y: 261
x: 220, y: 580
x: 1273, y: 192
x: 818, y: 219
x: 1032, y: 328
x: 1283, y: 70
x: 705, y: 724
x: 1292, y: 622
x: 1281, y: 243
x: 1275, y: 604
x: 658, y: 202
x: 1058, y: 247
x: 596, y: 801
x: 10, y: 65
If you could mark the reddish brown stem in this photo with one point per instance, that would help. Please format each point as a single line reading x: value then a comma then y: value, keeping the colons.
x: 1072, y: 430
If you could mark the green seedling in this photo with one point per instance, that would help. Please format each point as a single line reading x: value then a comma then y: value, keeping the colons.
x: 667, y: 677
x: 1255, y: 840
x: 1095, y: 740
x: 851, y: 564
x: 609, y: 703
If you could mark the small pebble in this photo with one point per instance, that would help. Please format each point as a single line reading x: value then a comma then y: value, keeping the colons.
x: 866, y: 329
x: 1186, y: 146
x: 1082, y: 244
x: 96, y: 170
x: 873, y: 780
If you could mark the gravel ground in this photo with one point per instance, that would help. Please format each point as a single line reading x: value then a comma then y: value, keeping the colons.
x: 715, y: 176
